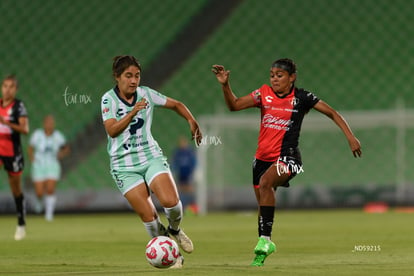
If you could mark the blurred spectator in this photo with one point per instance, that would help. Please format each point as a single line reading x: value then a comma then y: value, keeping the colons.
x: 183, y: 164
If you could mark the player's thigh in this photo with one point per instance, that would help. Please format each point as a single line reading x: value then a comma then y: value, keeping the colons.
x: 139, y: 199
x: 15, y: 181
x: 50, y: 186
x: 165, y: 189
x: 161, y: 182
x: 39, y: 187
x: 276, y: 175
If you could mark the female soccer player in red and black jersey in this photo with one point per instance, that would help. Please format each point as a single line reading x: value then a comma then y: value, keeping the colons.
x: 277, y: 158
x: 13, y: 122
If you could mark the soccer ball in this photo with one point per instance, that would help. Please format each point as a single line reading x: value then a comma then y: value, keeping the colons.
x: 162, y: 252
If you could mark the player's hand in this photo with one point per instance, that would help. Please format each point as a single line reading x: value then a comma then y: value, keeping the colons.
x: 355, y: 147
x: 196, y: 132
x: 221, y: 73
x: 142, y: 104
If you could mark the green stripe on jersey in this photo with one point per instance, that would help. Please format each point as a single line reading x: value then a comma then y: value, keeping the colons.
x: 135, y: 145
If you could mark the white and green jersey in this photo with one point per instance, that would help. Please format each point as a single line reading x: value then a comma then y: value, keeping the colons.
x: 135, y: 146
x: 45, y: 147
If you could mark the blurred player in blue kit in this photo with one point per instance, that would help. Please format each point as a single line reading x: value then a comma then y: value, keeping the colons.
x: 184, y: 162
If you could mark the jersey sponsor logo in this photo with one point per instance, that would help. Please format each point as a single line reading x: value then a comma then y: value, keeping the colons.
x: 134, y: 145
x: 271, y: 121
x: 137, y: 124
x: 269, y: 99
x: 119, y: 112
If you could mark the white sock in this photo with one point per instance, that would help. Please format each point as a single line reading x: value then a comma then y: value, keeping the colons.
x: 38, y: 205
x: 154, y: 228
x: 50, y: 202
x: 174, y: 215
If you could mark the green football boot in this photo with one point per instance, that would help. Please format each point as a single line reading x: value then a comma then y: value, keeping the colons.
x: 263, y: 249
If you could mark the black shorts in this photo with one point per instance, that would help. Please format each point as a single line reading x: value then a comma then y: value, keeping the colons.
x: 13, y: 164
x: 260, y: 167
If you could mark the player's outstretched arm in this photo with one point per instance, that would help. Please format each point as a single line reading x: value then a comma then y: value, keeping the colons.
x: 354, y: 143
x: 183, y: 111
x: 233, y: 103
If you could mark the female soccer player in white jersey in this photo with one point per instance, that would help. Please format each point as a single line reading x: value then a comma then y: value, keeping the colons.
x: 138, y: 165
x: 46, y: 147
x: 277, y: 158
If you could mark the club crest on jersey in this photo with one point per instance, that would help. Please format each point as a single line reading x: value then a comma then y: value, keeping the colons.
x: 295, y: 101
x: 256, y: 95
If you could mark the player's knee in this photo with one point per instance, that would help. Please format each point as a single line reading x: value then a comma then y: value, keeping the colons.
x: 169, y: 202
x: 265, y: 183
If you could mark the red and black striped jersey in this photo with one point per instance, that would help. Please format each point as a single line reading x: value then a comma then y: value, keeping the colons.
x: 281, y: 120
x: 10, y: 144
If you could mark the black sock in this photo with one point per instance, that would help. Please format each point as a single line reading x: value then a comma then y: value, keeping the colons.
x: 259, y: 228
x: 266, y: 220
x: 172, y: 231
x: 21, y: 209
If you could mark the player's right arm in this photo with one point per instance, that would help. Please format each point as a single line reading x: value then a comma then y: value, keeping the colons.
x: 233, y: 102
x: 115, y: 127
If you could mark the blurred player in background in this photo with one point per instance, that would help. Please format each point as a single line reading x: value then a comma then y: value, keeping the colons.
x: 277, y: 158
x: 13, y: 122
x: 184, y: 162
x: 47, y: 147
x: 138, y: 165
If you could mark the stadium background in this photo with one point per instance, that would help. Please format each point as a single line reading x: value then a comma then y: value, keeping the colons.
x: 355, y: 55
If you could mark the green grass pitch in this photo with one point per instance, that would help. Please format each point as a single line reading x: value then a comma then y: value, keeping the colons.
x: 334, y: 242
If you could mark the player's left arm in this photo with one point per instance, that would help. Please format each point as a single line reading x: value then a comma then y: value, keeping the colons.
x: 22, y: 126
x: 354, y: 143
x: 63, y: 151
x: 183, y: 111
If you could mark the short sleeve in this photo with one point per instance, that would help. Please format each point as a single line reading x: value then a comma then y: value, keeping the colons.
x: 33, y: 138
x: 308, y: 98
x: 256, y: 96
x: 62, y: 139
x: 107, y: 108
x: 21, y: 110
x: 312, y: 99
x: 156, y: 97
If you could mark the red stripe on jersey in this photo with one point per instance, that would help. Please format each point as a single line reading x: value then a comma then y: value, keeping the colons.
x: 276, y: 114
x: 6, y: 141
